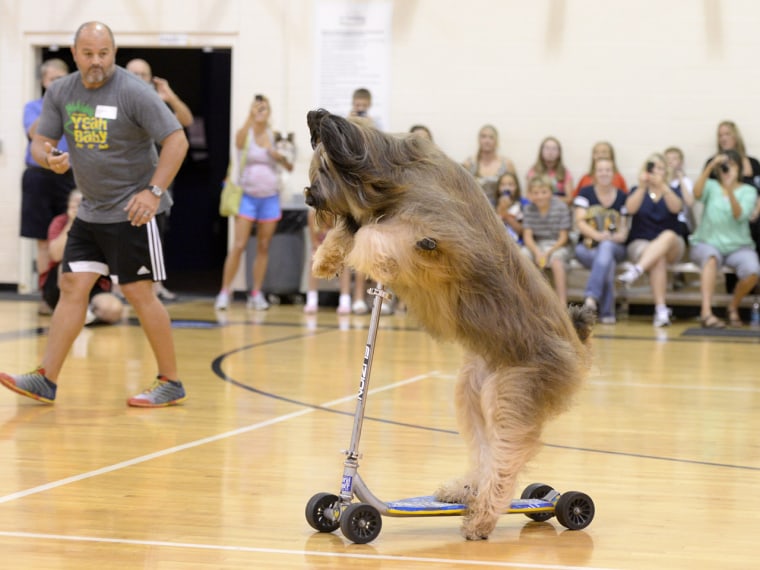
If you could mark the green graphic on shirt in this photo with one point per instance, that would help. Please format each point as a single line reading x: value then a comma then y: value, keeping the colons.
x: 89, y: 132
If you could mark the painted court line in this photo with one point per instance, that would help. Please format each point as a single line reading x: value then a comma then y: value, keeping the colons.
x: 199, y: 442
x: 300, y: 553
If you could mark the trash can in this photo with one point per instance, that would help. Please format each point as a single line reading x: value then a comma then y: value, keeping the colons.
x: 287, y: 251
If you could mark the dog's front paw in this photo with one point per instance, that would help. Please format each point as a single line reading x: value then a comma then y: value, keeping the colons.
x: 456, y: 491
x: 478, y: 525
x: 326, y: 264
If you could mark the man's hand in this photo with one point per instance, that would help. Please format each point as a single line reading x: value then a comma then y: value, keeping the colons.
x: 163, y: 89
x: 142, y: 207
x: 56, y: 160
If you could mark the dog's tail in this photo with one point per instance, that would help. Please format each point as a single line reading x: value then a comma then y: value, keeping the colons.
x: 583, y: 318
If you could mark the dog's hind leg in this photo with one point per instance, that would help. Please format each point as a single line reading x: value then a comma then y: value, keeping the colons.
x: 471, y: 427
x: 513, y: 422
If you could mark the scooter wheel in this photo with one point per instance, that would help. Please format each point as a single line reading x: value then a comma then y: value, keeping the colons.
x: 575, y: 510
x: 315, y: 512
x: 361, y: 523
x: 537, y: 491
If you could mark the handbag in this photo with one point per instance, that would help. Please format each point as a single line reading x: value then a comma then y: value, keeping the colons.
x: 232, y: 192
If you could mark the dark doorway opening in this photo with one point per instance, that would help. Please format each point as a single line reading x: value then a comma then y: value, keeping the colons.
x: 195, y: 244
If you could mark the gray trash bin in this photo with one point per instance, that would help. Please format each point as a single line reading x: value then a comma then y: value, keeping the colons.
x: 282, y: 283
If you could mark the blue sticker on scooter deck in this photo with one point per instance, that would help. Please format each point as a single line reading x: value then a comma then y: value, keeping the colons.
x: 424, y: 505
x: 427, y: 505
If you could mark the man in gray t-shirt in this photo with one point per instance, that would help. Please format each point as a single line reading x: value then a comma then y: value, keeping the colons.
x: 110, y: 119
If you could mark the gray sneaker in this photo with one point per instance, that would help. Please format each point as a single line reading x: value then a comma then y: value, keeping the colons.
x: 257, y: 302
x: 163, y: 392
x: 33, y: 384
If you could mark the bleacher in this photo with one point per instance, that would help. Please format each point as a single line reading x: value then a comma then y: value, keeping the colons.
x: 680, y: 294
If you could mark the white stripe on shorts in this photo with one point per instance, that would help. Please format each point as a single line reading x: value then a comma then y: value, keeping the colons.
x: 156, y: 251
x: 89, y: 267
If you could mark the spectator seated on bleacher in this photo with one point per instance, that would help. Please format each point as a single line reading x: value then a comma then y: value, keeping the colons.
x: 723, y: 234
x: 654, y: 240
x: 600, y: 219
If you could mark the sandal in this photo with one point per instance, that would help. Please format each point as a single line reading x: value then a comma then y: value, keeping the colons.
x: 712, y: 322
x: 734, y: 320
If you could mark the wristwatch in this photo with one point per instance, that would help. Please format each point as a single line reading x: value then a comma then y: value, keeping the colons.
x: 155, y: 190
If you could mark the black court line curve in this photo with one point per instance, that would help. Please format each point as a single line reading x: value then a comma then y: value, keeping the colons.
x: 216, y: 367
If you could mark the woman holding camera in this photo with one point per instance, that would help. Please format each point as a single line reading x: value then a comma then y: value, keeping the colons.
x: 723, y: 236
x: 260, y: 204
x: 729, y: 137
x: 654, y: 240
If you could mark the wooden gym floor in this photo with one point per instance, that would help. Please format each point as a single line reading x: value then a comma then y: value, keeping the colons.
x: 664, y: 438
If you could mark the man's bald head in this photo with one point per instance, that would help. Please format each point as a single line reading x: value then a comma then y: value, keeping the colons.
x: 94, y: 27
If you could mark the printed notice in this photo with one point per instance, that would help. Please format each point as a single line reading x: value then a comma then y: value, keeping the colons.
x: 353, y: 49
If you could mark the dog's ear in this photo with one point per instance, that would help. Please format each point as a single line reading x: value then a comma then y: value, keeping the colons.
x: 314, y: 120
x: 343, y: 142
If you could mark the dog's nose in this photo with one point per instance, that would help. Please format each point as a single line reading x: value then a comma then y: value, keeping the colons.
x: 307, y: 196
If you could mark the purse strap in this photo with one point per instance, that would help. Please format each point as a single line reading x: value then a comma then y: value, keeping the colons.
x: 243, y: 157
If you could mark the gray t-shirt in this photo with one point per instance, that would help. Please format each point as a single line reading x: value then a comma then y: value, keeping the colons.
x: 110, y: 133
x: 548, y: 227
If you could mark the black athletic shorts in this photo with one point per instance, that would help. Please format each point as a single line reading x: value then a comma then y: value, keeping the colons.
x: 44, y: 195
x: 125, y: 252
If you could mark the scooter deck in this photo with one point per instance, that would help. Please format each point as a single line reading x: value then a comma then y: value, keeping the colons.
x: 428, y: 506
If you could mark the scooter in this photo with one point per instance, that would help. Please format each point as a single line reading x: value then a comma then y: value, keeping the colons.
x: 361, y: 522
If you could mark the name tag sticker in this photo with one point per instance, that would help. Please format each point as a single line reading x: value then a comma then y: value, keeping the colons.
x: 105, y: 112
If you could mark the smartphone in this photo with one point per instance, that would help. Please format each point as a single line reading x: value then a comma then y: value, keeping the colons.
x: 56, y: 151
x: 650, y: 167
x: 724, y: 167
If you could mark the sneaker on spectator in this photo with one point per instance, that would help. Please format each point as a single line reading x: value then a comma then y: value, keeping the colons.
x: 359, y: 307
x: 257, y: 302
x: 163, y: 293
x: 90, y: 317
x: 43, y: 309
x: 608, y: 320
x: 590, y: 303
x: 163, y: 392
x: 662, y: 317
x: 343, y: 309
x: 630, y: 275
x: 310, y: 308
x: 386, y: 309
x: 33, y: 384
x: 222, y: 301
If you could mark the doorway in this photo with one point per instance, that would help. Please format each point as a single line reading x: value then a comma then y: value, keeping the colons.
x: 195, y: 243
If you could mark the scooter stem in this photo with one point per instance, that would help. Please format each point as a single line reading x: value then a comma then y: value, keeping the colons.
x: 352, y: 454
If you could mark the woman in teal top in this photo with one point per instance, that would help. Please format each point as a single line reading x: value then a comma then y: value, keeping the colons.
x: 723, y: 236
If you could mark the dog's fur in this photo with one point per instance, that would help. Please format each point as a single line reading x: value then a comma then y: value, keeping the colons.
x: 412, y: 219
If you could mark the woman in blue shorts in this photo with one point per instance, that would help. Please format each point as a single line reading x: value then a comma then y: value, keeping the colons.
x: 260, y: 204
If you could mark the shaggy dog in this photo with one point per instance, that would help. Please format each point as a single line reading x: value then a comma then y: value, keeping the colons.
x: 414, y: 220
